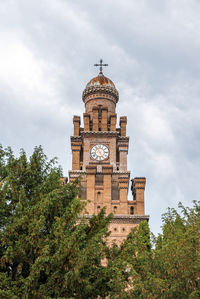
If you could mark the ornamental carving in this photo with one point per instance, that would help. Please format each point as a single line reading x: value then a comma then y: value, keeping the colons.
x: 102, y: 89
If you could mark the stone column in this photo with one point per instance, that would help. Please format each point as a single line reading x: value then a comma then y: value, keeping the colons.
x: 76, y: 122
x: 113, y: 119
x: 138, y: 187
x: 76, y: 149
x: 91, y: 172
x: 95, y: 121
x: 123, y: 158
x: 123, y: 123
x: 123, y: 194
x: 86, y: 117
x: 123, y: 152
x: 104, y: 119
x: 107, y: 191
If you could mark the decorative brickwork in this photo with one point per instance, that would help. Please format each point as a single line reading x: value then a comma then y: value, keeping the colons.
x: 99, y: 157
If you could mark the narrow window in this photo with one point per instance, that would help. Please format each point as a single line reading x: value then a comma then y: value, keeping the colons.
x: 117, y: 155
x: 99, y: 112
x: 81, y: 155
x: 131, y: 210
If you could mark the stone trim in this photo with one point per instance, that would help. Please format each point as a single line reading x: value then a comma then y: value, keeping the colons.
x: 103, y: 133
x: 90, y: 169
x: 126, y: 219
x: 77, y: 171
x: 76, y: 138
x: 122, y: 172
x: 123, y: 138
x: 123, y: 179
x: 107, y: 169
x: 132, y: 202
x: 102, y: 89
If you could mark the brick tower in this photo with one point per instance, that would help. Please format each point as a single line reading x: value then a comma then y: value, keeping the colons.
x: 99, y: 156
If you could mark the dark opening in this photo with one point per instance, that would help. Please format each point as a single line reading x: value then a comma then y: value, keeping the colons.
x: 90, y: 125
x: 131, y: 210
x: 81, y: 155
x: 99, y: 112
x: 117, y: 156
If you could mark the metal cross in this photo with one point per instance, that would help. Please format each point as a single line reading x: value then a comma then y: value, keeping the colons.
x: 101, y: 64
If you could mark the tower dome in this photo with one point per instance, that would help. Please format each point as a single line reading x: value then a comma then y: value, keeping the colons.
x: 100, y: 85
x: 100, y: 80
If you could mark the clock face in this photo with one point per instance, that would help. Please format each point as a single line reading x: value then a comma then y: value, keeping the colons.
x: 99, y: 152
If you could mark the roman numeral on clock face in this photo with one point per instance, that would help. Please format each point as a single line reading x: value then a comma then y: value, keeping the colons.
x: 99, y: 152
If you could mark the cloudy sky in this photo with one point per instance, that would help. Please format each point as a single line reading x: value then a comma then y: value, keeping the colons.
x: 47, y: 52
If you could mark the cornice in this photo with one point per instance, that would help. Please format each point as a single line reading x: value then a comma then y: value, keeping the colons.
x: 100, y: 89
x: 120, y: 139
x: 126, y: 174
x: 100, y: 133
x: 76, y: 138
x: 76, y: 172
x: 122, y: 172
x: 123, y: 138
x: 134, y: 219
x: 124, y: 219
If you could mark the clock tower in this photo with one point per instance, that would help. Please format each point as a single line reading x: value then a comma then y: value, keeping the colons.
x: 99, y: 157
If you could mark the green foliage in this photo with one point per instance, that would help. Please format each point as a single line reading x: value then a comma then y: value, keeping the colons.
x: 48, y: 249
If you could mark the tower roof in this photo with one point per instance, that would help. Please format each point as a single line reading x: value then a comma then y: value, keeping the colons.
x: 102, y: 85
x: 100, y: 80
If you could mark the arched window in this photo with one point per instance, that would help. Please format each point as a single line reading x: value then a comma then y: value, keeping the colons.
x: 98, y: 209
x: 131, y: 210
x: 115, y: 209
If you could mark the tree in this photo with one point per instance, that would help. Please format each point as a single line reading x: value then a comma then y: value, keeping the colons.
x: 167, y: 266
x: 47, y: 250
x: 177, y: 253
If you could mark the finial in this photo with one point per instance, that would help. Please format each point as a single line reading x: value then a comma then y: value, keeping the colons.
x: 101, y: 65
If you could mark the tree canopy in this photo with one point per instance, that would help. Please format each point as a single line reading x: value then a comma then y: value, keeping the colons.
x: 48, y: 249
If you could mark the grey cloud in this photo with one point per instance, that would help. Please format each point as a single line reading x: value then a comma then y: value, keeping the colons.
x: 47, y: 53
